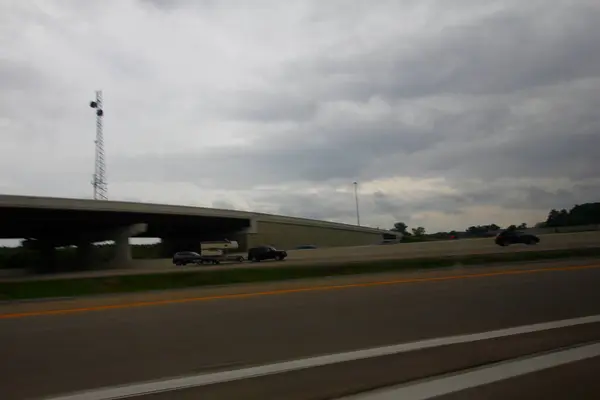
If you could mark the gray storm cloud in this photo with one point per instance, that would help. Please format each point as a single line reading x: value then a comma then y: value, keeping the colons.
x: 484, y: 95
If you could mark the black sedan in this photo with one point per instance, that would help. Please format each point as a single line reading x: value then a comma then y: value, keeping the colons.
x: 186, y: 257
x: 266, y: 253
x: 508, y: 237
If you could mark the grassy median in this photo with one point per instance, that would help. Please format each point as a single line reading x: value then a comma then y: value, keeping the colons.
x: 278, y: 272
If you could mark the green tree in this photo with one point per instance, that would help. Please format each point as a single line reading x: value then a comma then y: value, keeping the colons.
x: 482, y: 230
x: 419, y: 231
x: 584, y: 214
x: 400, y: 227
x: 580, y: 214
x: 553, y: 217
x: 558, y: 218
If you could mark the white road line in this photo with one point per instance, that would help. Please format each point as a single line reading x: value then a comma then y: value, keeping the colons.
x: 481, y: 376
x: 137, y: 389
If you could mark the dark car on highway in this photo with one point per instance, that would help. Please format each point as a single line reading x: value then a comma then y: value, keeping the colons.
x: 186, y: 257
x: 508, y: 237
x: 266, y: 253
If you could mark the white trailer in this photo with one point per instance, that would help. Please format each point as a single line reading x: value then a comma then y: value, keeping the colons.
x: 213, y: 252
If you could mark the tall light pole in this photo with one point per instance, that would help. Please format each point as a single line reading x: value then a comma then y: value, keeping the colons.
x: 99, y: 179
x: 356, y: 200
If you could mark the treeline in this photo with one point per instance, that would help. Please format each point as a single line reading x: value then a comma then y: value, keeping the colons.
x: 483, y: 230
x: 419, y: 234
x: 582, y: 214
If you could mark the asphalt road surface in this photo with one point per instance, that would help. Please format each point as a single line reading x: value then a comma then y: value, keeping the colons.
x: 49, y: 355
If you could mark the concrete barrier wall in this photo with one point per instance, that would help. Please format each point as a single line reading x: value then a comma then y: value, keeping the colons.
x: 564, y: 229
x: 448, y: 247
x: 285, y: 236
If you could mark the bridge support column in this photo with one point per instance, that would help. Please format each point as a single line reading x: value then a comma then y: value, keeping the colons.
x: 122, y: 249
x: 245, y: 236
x: 122, y: 254
x: 242, y: 238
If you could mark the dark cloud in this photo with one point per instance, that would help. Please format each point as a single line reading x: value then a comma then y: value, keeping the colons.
x: 515, y: 50
x: 268, y: 108
x: 474, y: 144
x: 15, y: 75
x: 311, y: 154
x: 572, y: 156
x: 402, y: 210
x: 511, y: 50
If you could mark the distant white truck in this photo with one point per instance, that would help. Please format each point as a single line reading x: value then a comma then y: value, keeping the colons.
x: 392, y: 238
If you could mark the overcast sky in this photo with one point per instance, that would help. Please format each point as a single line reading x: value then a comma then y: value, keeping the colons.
x: 448, y: 113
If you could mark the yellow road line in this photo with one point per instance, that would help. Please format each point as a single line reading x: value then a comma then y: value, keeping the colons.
x: 287, y: 291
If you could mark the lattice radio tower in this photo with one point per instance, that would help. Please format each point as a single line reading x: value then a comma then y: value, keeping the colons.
x: 99, y: 179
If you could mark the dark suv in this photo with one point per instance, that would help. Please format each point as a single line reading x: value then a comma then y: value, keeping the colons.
x: 266, y: 253
x: 508, y: 237
x: 186, y: 257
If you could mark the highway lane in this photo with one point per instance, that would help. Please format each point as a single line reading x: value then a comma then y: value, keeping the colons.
x: 49, y: 355
x: 339, y: 380
x: 565, y: 373
x: 577, y: 380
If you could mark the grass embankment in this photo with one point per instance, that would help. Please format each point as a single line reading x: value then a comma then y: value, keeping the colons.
x: 278, y: 272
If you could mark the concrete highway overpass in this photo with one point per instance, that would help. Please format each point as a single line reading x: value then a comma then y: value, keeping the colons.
x: 49, y: 222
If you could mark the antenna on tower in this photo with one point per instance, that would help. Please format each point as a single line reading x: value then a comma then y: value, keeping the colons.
x: 99, y: 180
